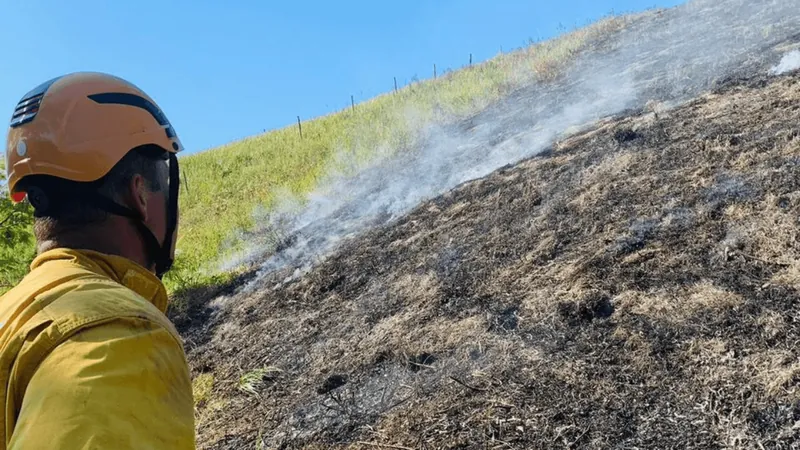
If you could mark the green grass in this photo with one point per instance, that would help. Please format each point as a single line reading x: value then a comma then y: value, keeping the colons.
x: 252, y: 381
x: 226, y: 185
x: 202, y: 386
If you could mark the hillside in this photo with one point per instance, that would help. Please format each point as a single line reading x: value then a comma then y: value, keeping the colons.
x: 229, y: 186
x: 633, y: 284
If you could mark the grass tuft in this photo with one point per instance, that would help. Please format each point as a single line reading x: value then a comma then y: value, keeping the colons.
x: 201, y: 388
x: 252, y: 381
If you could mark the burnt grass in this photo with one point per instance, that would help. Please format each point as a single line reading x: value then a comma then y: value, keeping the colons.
x: 636, y: 286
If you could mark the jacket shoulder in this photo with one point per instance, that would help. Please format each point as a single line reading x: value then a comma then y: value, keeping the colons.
x: 65, y: 301
x: 94, y: 299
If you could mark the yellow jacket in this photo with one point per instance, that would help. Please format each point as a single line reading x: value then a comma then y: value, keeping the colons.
x: 88, y: 360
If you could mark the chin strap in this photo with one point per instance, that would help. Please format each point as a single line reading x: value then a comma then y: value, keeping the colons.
x: 167, y: 260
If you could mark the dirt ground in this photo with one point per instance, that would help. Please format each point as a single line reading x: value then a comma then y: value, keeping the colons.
x: 636, y: 286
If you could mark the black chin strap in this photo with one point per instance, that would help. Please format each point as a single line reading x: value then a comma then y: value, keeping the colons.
x: 159, y: 253
x: 165, y: 263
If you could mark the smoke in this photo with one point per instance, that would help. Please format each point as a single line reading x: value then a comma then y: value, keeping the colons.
x: 789, y: 62
x: 668, y: 56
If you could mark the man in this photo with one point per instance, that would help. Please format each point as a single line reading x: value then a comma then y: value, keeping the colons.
x: 87, y: 357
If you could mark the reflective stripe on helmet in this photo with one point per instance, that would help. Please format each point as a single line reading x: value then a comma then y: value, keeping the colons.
x: 119, y: 98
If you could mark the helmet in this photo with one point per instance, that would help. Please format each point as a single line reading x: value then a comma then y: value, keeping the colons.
x: 77, y: 127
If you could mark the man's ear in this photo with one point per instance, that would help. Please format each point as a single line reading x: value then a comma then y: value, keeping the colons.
x: 137, y: 195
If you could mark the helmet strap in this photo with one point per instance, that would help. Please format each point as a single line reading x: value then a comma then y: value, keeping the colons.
x: 164, y: 263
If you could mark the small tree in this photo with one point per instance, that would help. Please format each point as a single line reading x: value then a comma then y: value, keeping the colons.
x: 17, y: 246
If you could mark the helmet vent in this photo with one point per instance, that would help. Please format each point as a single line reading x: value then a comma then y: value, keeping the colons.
x: 26, y: 110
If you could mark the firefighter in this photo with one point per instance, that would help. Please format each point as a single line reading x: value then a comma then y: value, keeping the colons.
x: 88, y: 358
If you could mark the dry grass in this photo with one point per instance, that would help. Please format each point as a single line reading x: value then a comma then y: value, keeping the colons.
x: 679, y: 305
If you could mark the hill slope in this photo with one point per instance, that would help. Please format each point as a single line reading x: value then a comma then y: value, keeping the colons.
x: 633, y: 283
x: 227, y: 185
x: 634, y: 286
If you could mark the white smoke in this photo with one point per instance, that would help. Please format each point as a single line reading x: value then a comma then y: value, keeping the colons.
x: 669, y: 57
x: 789, y: 62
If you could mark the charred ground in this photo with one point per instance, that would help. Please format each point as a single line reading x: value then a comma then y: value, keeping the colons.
x: 636, y: 286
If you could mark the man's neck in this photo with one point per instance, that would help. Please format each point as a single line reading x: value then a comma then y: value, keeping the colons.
x: 121, y: 244
x: 77, y: 244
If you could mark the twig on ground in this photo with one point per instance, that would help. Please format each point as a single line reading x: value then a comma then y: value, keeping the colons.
x: 375, y: 444
x: 423, y: 366
x: 466, y: 385
x: 397, y: 403
x: 575, y: 442
x: 755, y: 258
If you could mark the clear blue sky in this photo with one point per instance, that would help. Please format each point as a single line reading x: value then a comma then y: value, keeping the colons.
x: 226, y: 70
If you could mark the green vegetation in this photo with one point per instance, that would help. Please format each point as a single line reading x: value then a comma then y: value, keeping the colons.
x: 201, y: 388
x: 253, y: 380
x: 18, y: 247
x: 225, y: 186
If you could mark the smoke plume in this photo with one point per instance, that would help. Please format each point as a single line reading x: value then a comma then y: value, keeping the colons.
x: 666, y: 57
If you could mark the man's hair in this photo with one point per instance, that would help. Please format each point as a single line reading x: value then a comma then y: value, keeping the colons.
x: 74, y: 208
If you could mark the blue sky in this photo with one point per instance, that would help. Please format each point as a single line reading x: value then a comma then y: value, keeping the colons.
x: 222, y: 71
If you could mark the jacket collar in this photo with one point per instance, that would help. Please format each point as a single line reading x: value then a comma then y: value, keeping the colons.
x: 122, y: 270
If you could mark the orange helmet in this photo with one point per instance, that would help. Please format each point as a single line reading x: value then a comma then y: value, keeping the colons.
x: 78, y: 127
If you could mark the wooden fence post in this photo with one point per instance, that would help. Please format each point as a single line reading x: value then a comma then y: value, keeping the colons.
x: 353, y: 103
x: 434, y: 71
x: 186, y: 182
x: 300, y: 127
x: 470, y: 59
x: 395, y: 85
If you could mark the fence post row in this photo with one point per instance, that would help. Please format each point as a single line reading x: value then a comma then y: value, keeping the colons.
x: 353, y: 101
